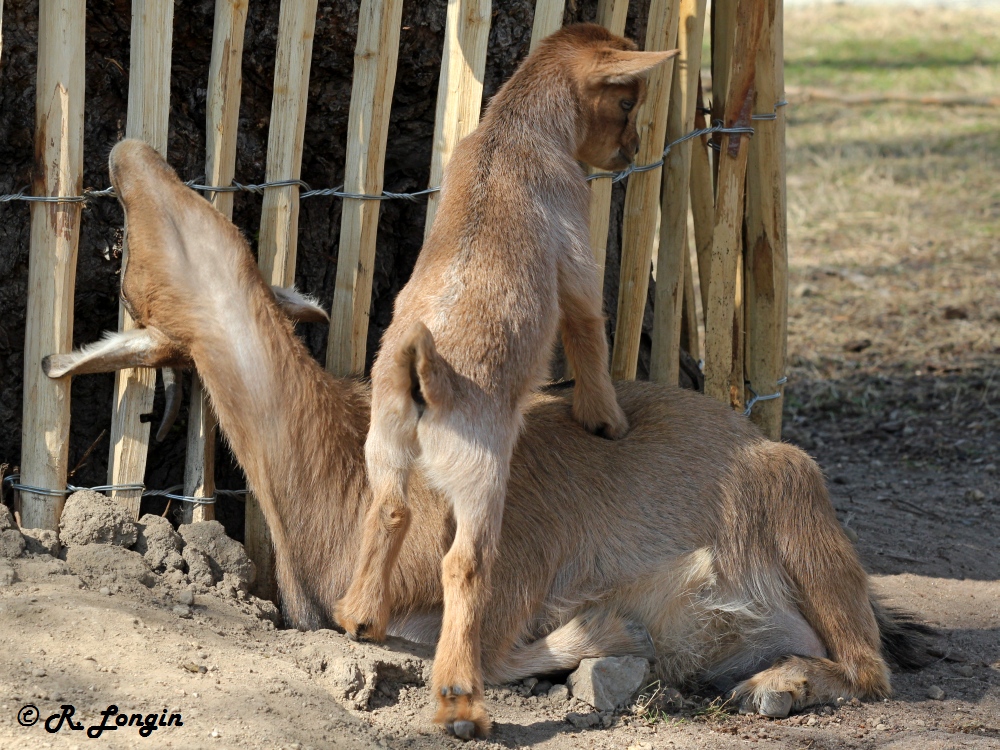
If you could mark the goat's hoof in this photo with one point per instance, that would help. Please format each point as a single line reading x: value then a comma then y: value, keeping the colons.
x: 462, y: 713
x: 769, y: 703
x: 357, y: 630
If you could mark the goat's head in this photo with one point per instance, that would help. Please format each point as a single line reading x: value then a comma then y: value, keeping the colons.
x: 185, y: 263
x: 609, y: 78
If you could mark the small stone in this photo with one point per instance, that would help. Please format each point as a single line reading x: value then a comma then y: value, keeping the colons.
x: 920, y: 723
x: 955, y: 313
x: 105, y: 591
x: 805, y: 290
x: 583, y: 721
x: 857, y: 345
x: 608, y: 682
x: 851, y: 534
x: 964, y: 669
x: 881, y: 727
x: 186, y: 597
x: 559, y: 693
x: 182, y: 611
x: 541, y: 688
x: 975, y: 496
x: 811, y: 721
x: 935, y: 693
x: 11, y: 544
x: 38, y: 672
x: 215, y: 734
x: 529, y: 682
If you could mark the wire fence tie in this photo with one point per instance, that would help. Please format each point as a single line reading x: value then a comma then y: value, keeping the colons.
x: 756, y: 398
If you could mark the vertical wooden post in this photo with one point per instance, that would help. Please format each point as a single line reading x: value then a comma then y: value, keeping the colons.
x: 611, y: 15
x: 689, y: 321
x: 723, y: 368
x: 368, y: 127
x: 702, y: 203
x: 148, y: 108
x: 225, y: 81
x: 548, y: 20
x: 279, y: 220
x: 55, y: 231
x: 673, y: 247
x: 642, y: 197
x: 766, y: 250
x: 460, y: 90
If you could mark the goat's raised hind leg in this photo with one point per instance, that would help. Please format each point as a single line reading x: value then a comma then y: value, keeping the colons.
x: 590, y: 634
x: 364, y: 610
x: 800, y: 681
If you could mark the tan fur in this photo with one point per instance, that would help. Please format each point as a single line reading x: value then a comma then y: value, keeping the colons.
x: 506, y: 266
x: 693, y: 528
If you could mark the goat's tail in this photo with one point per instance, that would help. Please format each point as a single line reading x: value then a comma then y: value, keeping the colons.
x: 906, y: 642
x: 419, y: 368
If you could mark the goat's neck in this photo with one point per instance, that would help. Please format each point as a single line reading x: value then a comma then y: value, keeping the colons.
x: 297, y: 432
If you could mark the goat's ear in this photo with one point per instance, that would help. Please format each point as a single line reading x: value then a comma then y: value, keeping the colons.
x: 299, y: 306
x: 614, y: 66
x: 143, y: 347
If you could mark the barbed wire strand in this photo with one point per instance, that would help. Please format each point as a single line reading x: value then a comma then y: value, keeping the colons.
x: 14, y: 483
x: 338, y: 192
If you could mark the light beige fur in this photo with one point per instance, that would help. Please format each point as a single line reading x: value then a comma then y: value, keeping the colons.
x: 693, y: 534
x: 506, y: 266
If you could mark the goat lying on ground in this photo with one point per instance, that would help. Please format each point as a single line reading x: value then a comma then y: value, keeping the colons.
x: 693, y: 530
x: 506, y: 263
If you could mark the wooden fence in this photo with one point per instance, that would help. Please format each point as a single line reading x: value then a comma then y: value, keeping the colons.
x: 728, y: 187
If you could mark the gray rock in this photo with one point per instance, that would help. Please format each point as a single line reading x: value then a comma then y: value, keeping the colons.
x: 608, y: 682
x: 6, y: 518
x: 559, y: 693
x: 42, y: 541
x: 159, y: 544
x: 541, y: 688
x: 109, y: 563
x: 11, y: 544
x: 186, y: 597
x: 935, y: 693
x: 199, y: 567
x: 91, y: 518
x: 182, y: 611
x: 583, y: 721
x: 965, y: 670
x: 225, y: 555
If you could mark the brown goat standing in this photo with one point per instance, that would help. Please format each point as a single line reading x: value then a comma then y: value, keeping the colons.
x: 506, y: 264
x: 693, y: 531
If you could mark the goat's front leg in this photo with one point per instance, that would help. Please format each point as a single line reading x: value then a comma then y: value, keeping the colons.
x: 595, y: 405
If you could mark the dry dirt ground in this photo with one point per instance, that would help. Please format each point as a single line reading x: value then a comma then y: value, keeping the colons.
x: 894, y: 220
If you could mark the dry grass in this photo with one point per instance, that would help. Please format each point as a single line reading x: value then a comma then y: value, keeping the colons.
x: 894, y: 211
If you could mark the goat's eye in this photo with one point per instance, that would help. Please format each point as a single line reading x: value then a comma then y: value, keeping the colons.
x: 627, y: 104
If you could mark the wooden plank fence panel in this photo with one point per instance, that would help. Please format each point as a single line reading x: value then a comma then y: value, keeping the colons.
x: 642, y: 197
x: 673, y: 247
x: 225, y: 79
x: 548, y: 20
x: 611, y: 15
x: 766, y: 249
x: 148, y: 110
x: 280, y: 216
x: 723, y: 366
x: 55, y: 231
x: 279, y: 222
x: 368, y: 127
x: 460, y: 90
x: 702, y: 204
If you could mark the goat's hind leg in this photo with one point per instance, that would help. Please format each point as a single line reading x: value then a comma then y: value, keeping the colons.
x: 590, y: 634
x: 364, y: 610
